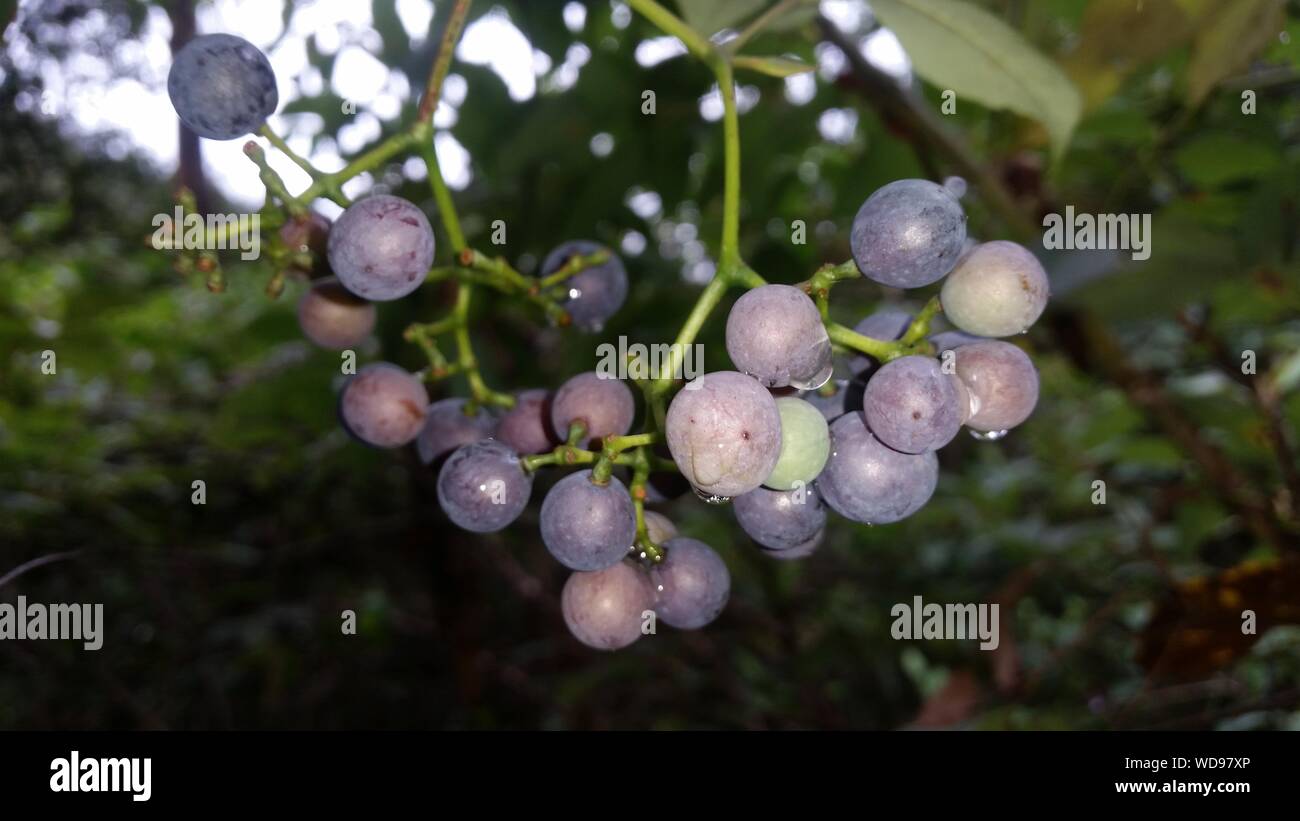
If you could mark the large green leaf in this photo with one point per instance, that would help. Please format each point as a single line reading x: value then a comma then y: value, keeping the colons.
x: 1189, y: 260
x: 1229, y: 41
x: 800, y: 14
x: 1117, y: 37
x: 708, y: 17
x: 958, y: 46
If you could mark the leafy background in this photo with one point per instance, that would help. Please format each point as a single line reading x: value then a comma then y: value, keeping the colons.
x: 1113, y: 616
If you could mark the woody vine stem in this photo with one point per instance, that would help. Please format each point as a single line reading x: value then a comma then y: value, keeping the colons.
x: 469, y: 268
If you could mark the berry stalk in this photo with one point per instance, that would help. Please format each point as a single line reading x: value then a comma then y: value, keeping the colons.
x: 614, y: 447
x: 575, y: 265
x: 447, y: 43
x: 640, y: 475
x: 674, y: 25
x: 331, y: 189
x: 271, y: 179
x: 729, y: 260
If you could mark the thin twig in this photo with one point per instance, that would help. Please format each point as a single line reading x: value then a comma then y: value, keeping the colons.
x: 446, y: 46
x: 35, y: 563
x: 761, y: 22
x: 1262, y: 394
x: 915, y: 117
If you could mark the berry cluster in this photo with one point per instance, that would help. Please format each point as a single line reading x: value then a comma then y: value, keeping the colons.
x: 776, y: 436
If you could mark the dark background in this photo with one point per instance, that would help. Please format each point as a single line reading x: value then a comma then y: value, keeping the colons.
x: 227, y: 615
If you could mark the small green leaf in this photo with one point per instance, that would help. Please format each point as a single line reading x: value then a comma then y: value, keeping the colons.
x: 955, y: 45
x: 708, y: 17
x: 1213, y: 160
x: 773, y: 66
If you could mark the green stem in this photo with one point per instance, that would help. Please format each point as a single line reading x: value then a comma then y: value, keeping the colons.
x: 496, y: 268
x: 674, y: 25
x: 640, y: 475
x: 435, y: 374
x: 478, y: 389
x: 368, y: 161
x: 443, y: 273
x: 438, y: 365
x: 501, y: 275
x: 419, y: 135
x: 819, y: 285
x: 274, y: 184
x: 747, y: 277
x: 730, y: 254
x: 425, y: 334
x: 920, y: 325
x: 330, y: 188
x: 446, y: 47
x: 731, y: 269
x: 617, y: 444
x: 446, y: 206
x: 614, y: 447
x: 570, y: 455
x: 577, y: 431
x: 661, y: 465
x: 708, y: 300
x: 759, y: 23
x: 278, y: 141
x: 436, y: 328
x: 574, y: 265
x: 884, y: 351
x: 655, y: 406
x: 658, y: 410
x: 830, y: 273
x: 911, y: 342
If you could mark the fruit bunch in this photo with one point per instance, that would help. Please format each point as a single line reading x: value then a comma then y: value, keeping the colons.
x: 776, y: 437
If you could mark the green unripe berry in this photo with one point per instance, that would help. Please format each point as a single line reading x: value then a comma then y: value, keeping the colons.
x: 805, y: 444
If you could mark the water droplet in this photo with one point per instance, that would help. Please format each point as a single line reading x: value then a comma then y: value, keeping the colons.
x: 820, y: 378
x: 711, y: 498
x: 987, y: 436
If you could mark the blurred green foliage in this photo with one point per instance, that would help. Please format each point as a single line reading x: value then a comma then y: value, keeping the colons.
x: 227, y: 614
